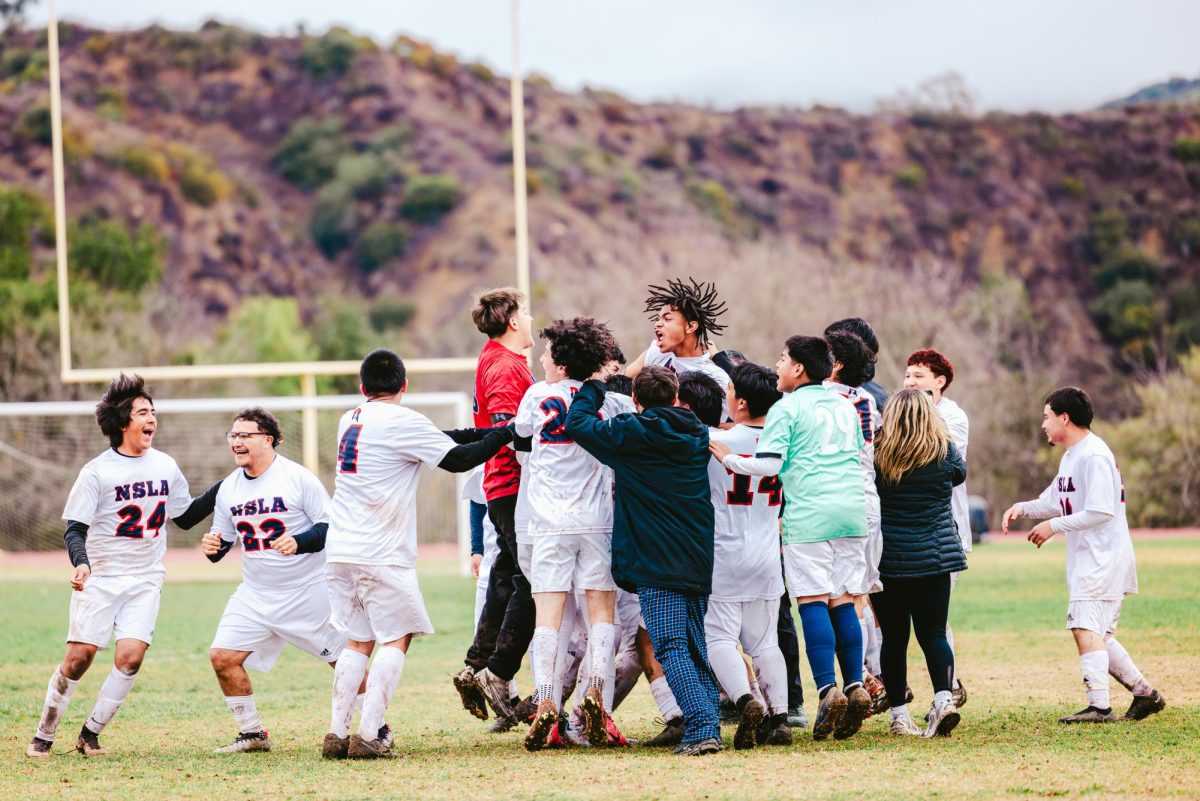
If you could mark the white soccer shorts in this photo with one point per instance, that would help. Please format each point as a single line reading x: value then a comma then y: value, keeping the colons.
x: 525, y: 557
x: 874, y: 552
x: 262, y: 622
x: 629, y: 618
x: 1098, y: 616
x: 114, y: 607
x: 833, y: 568
x: 753, y: 624
x: 376, y: 602
x: 565, y: 562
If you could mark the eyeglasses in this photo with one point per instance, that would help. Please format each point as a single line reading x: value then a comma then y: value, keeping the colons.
x: 242, y: 436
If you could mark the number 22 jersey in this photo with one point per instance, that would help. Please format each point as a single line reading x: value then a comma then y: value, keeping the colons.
x: 126, y: 502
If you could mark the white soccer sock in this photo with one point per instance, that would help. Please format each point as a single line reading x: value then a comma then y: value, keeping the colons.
x: 729, y: 668
x: 1122, y: 668
x: 58, y: 695
x: 113, y: 693
x: 772, y: 678
x: 358, y: 704
x: 545, y: 655
x: 1094, y: 665
x: 245, y: 713
x: 872, y: 643
x: 381, y: 683
x: 513, y: 690
x: 347, y: 678
x: 628, y: 669
x: 897, y: 711
x: 602, y: 645
x: 665, y: 699
x: 942, y: 697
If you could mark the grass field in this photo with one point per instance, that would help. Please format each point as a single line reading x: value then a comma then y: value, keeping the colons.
x: 1014, y: 656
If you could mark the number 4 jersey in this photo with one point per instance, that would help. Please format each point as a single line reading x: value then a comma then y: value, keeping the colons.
x: 746, y: 564
x: 285, y: 499
x: 126, y: 502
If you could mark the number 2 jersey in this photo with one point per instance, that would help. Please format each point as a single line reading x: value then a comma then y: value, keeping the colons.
x: 746, y: 563
x: 869, y: 418
x: 285, y: 499
x: 565, y: 489
x: 126, y: 502
x: 373, y: 515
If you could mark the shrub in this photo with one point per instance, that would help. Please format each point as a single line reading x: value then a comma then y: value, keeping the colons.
x: 428, y: 197
x: 712, y: 199
x: 331, y: 54
x: 24, y: 66
x: 742, y: 147
x: 1107, y: 230
x: 1073, y: 187
x: 203, y: 183
x: 482, y: 71
x: 391, y: 313
x: 1129, y: 312
x: 109, y: 254
x: 110, y: 103
x: 34, y: 125
x: 910, y: 177
x: 365, y: 175
x: 334, y: 219
x: 1185, y: 236
x: 1127, y: 263
x: 379, y: 243
x: 1187, y: 149
x: 309, y: 152
x: 142, y: 161
x: 662, y: 157
x: 21, y: 212
x: 393, y: 137
x: 267, y: 329
x: 629, y: 187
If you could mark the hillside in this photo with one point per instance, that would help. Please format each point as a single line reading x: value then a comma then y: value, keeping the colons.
x: 1175, y: 90
x: 371, y: 182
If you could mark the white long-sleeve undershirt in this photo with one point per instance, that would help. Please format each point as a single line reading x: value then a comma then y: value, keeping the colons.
x: 753, y: 465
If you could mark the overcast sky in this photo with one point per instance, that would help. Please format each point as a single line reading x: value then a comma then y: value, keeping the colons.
x: 1052, y: 55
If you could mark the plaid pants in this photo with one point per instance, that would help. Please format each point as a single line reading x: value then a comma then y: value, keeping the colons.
x: 675, y: 622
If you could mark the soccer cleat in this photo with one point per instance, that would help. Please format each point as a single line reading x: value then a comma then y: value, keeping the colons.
x: 502, y: 725
x: 545, y: 721
x: 572, y: 732
x: 1144, y: 706
x: 747, y: 730
x: 904, y: 725
x: 38, y: 748
x: 879, y: 701
x: 829, y: 713
x: 468, y: 690
x: 774, y: 730
x: 858, y: 709
x: 1090, y: 715
x: 614, y: 737
x: 594, y: 716
x: 88, y: 743
x: 727, y: 712
x: 959, y: 694
x: 554, y: 740
x: 525, y: 708
x: 796, y: 718
x: 710, y: 746
x: 385, y: 736
x: 495, y: 691
x: 246, y: 741
x: 671, y: 735
x: 367, y: 749
x: 942, y: 720
x: 334, y: 747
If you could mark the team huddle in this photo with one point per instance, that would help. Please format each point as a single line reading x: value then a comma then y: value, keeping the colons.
x: 656, y: 519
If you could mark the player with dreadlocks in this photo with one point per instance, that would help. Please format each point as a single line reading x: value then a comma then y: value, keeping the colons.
x: 685, y: 317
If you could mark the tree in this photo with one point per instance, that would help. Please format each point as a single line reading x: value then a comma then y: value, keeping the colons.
x: 13, y: 11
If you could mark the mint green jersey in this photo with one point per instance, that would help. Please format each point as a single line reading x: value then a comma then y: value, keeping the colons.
x: 817, y: 433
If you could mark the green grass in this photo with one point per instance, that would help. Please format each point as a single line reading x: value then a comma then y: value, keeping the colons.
x: 1015, y: 657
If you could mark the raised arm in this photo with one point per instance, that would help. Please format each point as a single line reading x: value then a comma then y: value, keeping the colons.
x: 468, y: 456
x: 198, y: 509
x: 601, y: 438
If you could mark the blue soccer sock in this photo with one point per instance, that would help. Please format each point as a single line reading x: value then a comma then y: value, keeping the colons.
x: 819, y: 642
x: 849, y: 642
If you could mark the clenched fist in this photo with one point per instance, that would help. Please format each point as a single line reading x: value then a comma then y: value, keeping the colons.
x: 210, y: 543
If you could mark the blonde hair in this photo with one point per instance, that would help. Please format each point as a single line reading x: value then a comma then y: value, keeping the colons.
x: 912, y: 435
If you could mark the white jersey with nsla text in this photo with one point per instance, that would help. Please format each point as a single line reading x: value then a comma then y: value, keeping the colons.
x: 373, y: 514
x: 126, y: 502
x: 567, y: 490
x: 285, y: 499
x: 746, y: 562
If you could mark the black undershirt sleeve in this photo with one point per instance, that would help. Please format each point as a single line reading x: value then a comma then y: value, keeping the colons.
x: 462, y: 458
x: 76, y: 539
x: 312, y: 540
x: 522, y: 444
x: 221, y: 551
x: 199, y: 509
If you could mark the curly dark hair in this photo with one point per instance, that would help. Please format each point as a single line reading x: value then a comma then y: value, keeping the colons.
x: 116, y: 404
x: 581, y: 346
x: 697, y: 303
x: 853, y: 354
x: 265, y: 421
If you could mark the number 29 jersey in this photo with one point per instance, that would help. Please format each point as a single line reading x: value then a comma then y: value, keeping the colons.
x: 746, y: 563
x: 126, y: 502
x: 285, y: 499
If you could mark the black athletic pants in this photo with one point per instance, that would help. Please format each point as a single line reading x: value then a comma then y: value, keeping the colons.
x: 922, y: 604
x: 789, y: 644
x: 506, y: 622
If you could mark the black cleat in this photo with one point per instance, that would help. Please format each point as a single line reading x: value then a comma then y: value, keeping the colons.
x: 1090, y: 715
x: 38, y: 748
x: 468, y: 690
x: 752, y: 713
x: 1144, y: 706
x: 671, y: 735
x: 774, y: 730
x: 88, y: 743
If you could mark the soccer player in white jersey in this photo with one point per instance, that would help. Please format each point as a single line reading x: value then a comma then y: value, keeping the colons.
x: 852, y: 362
x: 1086, y: 502
x: 685, y: 317
x: 570, y: 525
x: 932, y: 372
x: 116, y: 536
x: 747, y: 577
x: 278, y: 512
x: 371, y: 547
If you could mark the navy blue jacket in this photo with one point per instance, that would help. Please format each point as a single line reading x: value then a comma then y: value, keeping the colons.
x: 663, y: 516
x: 920, y: 537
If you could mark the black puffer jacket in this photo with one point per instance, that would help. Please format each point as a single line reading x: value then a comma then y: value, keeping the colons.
x: 920, y: 537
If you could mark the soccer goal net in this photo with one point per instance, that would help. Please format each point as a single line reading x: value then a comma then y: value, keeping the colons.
x: 44, y: 445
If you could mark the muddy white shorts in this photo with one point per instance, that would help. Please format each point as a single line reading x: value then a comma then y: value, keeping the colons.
x: 833, y: 568
x: 115, y: 607
x: 1098, y: 616
x: 263, y: 621
x: 376, y: 602
x: 565, y: 562
x: 752, y: 624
